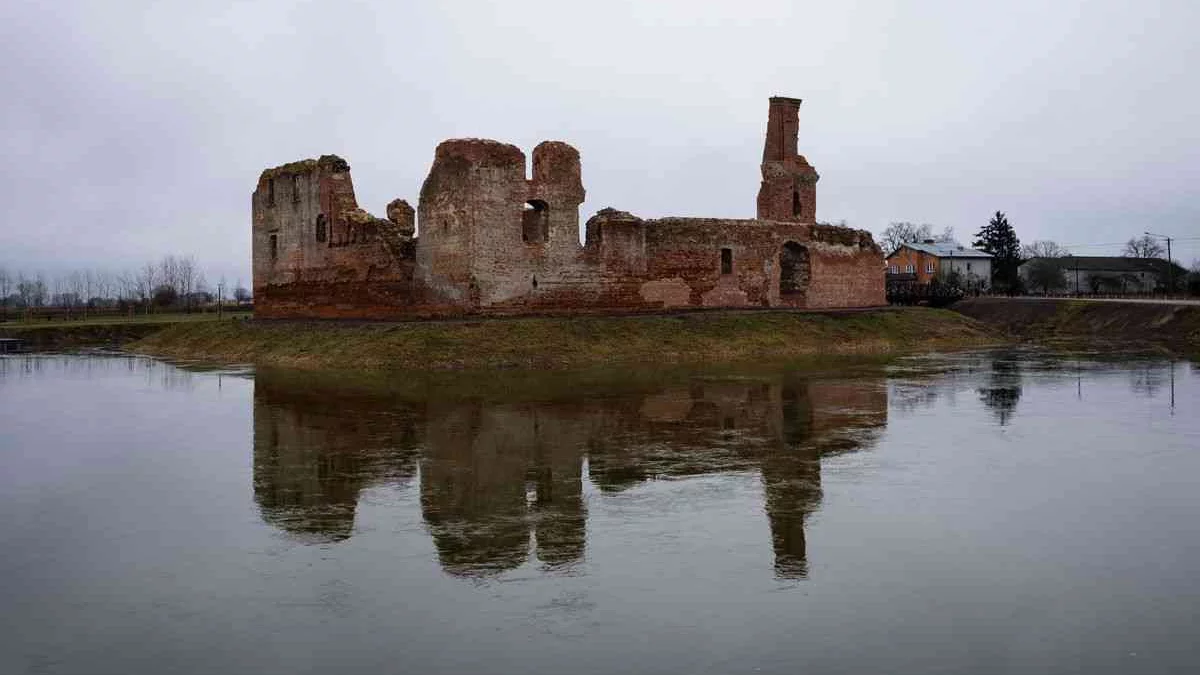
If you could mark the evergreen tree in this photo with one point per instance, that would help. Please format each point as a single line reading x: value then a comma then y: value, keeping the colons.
x: 999, y: 239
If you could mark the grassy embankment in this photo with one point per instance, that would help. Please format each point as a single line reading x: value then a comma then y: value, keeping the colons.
x: 568, y: 343
x: 99, y: 331
x: 1124, y: 324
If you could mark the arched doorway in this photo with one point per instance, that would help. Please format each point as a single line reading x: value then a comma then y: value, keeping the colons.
x: 794, y: 271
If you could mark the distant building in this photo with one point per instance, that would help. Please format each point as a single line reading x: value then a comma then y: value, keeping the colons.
x: 922, y: 262
x: 1108, y: 274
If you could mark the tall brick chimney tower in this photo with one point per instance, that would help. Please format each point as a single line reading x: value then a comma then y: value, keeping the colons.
x: 789, y: 182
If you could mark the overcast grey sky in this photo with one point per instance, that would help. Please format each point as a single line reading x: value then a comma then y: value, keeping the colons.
x: 135, y: 129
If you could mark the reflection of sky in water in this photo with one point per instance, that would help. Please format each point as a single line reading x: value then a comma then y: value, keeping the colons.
x: 988, y: 512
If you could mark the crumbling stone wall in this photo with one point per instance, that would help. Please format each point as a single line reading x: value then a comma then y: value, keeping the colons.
x: 789, y: 182
x: 317, y: 254
x: 492, y: 241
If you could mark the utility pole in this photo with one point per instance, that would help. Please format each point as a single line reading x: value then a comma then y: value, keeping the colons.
x: 1170, y: 264
x: 220, y: 302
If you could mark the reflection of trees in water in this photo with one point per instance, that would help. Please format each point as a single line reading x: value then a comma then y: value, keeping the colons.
x: 499, y: 480
x: 1002, y: 391
x: 157, y: 373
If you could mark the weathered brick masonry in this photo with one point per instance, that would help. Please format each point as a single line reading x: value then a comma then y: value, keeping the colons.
x: 494, y: 242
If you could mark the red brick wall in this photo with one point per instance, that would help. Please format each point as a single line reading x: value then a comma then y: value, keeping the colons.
x: 920, y: 260
x: 471, y: 256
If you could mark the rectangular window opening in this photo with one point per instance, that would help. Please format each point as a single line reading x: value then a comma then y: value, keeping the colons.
x: 270, y: 192
x: 295, y: 189
x: 274, y: 247
x: 726, y: 261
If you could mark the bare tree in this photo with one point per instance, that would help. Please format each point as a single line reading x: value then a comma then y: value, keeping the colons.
x: 127, y: 285
x: 31, y: 291
x: 1143, y: 247
x: 5, y: 286
x: 62, y: 292
x: 946, y: 236
x: 186, y: 277
x: 1044, y: 248
x: 104, y: 285
x: 77, y: 284
x: 147, y: 279
x: 899, y: 233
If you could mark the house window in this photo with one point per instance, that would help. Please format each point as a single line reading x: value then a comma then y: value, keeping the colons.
x: 726, y: 261
x: 929, y: 268
x: 910, y: 269
x: 894, y: 269
x: 968, y: 267
x: 274, y: 247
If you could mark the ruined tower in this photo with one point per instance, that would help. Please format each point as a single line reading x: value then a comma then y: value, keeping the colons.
x: 789, y: 182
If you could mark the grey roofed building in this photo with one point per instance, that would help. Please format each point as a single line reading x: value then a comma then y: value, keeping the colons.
x: 930, y: 260
x: 1109, y: 274
x: 946, y: 249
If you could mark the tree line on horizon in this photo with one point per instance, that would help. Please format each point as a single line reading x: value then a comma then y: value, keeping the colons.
x: 174, y: 282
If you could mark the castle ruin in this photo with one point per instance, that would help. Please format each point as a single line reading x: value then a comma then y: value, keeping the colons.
x: 493, y: 242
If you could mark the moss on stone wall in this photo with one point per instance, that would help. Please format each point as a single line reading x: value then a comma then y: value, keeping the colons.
x: 331, y: 163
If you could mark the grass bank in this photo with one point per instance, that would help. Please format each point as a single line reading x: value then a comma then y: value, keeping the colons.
x: 568, y: 343
x: 99, y: 331
x: 1176, y: 327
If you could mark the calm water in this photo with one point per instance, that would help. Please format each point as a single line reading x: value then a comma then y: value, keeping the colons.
x: 1011, y: 512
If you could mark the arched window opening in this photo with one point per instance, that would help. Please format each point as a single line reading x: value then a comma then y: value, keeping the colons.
x: 797, y: 205
x: 535, y: 222
x: 726, y: 261
x: 794, y: 269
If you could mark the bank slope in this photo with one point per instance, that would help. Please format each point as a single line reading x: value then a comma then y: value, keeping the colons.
x: 564, y: 343
x: 1175, y: 326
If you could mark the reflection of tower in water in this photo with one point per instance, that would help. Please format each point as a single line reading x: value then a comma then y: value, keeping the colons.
x: 480, y: 465
x: 817, y: 418
x: 782, y: 427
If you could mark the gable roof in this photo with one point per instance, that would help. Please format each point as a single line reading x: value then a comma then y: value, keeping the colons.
x: 943, y: 249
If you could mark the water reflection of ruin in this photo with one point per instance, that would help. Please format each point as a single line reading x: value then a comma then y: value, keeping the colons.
x: 316, y: 448
x: 501, y: 481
